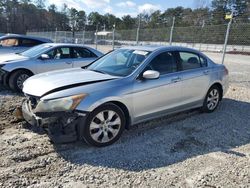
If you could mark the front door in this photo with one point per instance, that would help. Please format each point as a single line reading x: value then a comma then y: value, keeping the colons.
x: 152, y: 98
x: 59, y: 58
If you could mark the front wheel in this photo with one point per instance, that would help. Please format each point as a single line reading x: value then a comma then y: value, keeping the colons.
x: 212, y: 99
x: 104, y: 125
x: 17, y: 79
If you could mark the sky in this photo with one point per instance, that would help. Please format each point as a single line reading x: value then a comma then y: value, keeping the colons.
x: 124, y: 7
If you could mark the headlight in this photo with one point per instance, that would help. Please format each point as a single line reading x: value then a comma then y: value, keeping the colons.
x: 61, y: 104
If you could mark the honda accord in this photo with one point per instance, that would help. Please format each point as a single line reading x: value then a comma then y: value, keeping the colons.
x: 125, y: 87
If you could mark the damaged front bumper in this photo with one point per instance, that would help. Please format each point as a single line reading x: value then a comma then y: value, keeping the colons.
x: 62, y: 127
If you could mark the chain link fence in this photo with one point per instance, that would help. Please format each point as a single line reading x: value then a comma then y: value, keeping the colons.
x: 209, y: 38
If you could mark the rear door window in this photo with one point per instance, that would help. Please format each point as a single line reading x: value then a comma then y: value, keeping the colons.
x: 189, y: 60
x: 203, y: 61
x: 29, y: 42
x: 82, y: 53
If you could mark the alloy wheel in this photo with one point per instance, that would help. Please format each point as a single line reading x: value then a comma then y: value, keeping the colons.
x: 213, y: 99
x: 21, y: 79
x: 105, y: 126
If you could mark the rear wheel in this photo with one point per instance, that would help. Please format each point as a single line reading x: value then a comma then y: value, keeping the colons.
x: 104, y: 125
x: 17, y: 79
x: 212, y: 99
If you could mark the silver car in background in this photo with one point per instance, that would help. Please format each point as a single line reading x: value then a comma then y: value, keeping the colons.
x: 16, y: 68
x: 14, y: 43
x: 123, y: 88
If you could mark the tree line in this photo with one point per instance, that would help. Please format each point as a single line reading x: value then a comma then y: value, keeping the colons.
x: 20, y: 16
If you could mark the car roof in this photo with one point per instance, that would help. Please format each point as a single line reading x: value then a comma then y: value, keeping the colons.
x: 45, y: 40
x: 66, y: 44
x: 152, y: 48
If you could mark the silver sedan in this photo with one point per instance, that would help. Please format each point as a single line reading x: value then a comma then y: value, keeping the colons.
x: 16, y: 68
x: 123, y: 88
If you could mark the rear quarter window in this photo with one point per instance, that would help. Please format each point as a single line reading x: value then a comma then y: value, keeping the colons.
x: 9, y: 42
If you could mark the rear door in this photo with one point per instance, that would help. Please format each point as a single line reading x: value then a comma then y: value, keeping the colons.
x: 82, y: 56
x: 195, y: 76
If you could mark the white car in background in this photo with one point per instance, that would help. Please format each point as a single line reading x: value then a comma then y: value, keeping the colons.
x: 16, y: 68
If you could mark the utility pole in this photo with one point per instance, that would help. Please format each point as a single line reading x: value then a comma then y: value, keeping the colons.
x: 138, y: 30
x: 171, y: 32
x: 113, y: 39
x: 226, y: 38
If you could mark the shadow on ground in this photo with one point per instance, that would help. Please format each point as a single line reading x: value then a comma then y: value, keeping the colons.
x: 169, y: 140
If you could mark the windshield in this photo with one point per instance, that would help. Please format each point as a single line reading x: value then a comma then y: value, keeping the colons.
x: 121, y: 62
x: 37, y: 50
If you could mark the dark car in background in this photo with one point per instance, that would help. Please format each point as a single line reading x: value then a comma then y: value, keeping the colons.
x: 14, y: 43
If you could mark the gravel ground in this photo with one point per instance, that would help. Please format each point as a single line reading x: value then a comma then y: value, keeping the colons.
x: 190, y: 149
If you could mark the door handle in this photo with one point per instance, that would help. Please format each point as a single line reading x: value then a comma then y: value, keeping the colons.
x: 177, y: 79
x: 68, y: 63
x: 206, y: 72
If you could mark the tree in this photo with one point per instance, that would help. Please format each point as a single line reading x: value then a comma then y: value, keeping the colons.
x: 95, y: 20
x: 239, y: 7
x: 40, y: 4
x: 156, y: 19
x: 128, y: 22
x: 220, y: 9
x: 109, y: 21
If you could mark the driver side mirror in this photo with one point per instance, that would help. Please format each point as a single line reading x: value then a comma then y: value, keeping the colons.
x: 44, y: 57
x: 151, y: 74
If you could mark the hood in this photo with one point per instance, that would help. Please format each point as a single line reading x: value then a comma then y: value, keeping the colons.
x: 10, y: 58
x: 42, y: 84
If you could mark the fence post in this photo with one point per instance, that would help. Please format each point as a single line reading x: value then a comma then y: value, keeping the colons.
x: 83, y: 36
x: 113, y: 39
x: 138, y: 31
x: 56, y: 35
x: 201, y: 34
x: 96, y: 37
x: 171, y: 32
x: 226, y: 39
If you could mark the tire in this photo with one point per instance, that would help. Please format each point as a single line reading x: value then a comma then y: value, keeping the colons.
x: 17, y: 78
x: 104, y: 125
x: 212, y: 99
